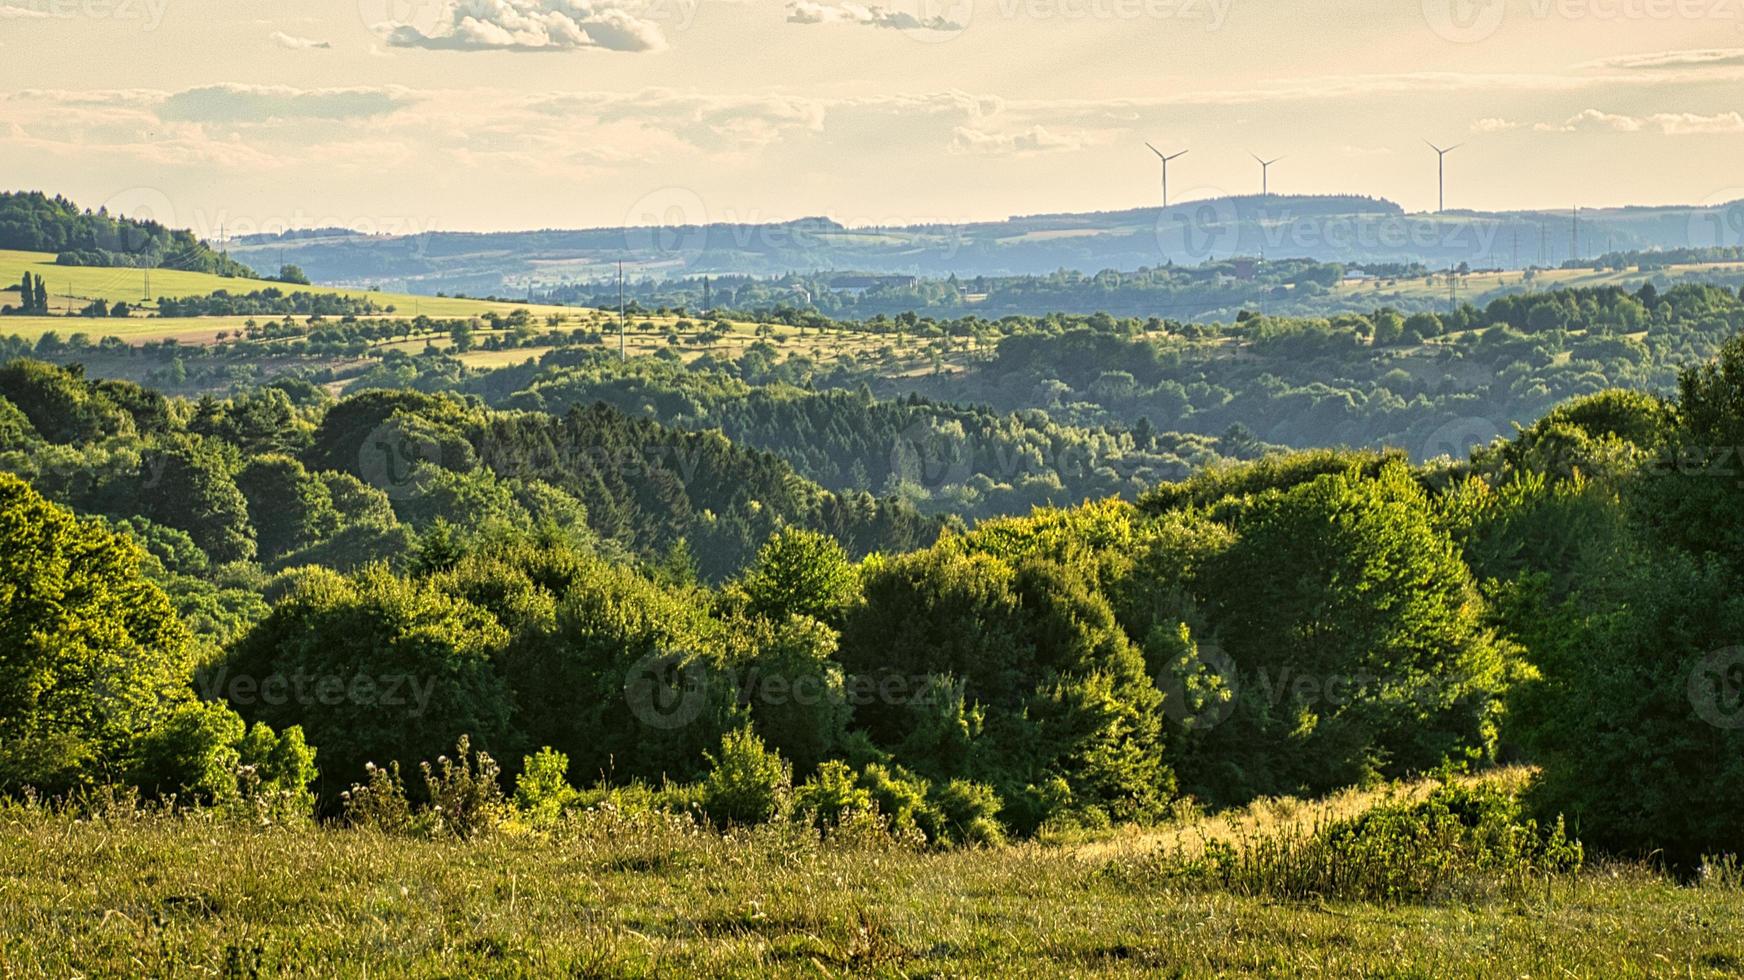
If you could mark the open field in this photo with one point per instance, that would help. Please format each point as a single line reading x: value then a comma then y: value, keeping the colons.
x: 85, y: 284
x: 1480, y: 283
x: 616, y: 895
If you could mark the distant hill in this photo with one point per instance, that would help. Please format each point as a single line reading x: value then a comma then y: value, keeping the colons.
x: 1347, y: 229
x: 31, y: 221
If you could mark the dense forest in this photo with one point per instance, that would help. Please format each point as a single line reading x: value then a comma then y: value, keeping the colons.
x: 35, y: 222
x: 327, y: 593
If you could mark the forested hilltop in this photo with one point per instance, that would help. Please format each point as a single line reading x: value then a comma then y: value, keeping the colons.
x: 34, y: 222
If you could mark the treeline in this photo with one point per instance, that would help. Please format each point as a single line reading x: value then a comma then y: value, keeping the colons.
x: 270, y: 301
x: 33, y: 222
x: 282, y: 475
x: 1209, y: 289
x: 1382, y: 378
x: 1568, y: 597
x: 943, y: 457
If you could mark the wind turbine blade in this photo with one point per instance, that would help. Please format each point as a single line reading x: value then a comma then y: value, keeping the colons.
x: 1453, y: 147
x: 1178, y: 155
x: 1158, y: 152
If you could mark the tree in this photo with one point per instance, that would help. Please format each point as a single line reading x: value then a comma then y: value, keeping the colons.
x: 186, y: 484
x: 92, y: 655
x: 289, y: 507
x: 1354, y: 632
x: 374, y: 668
x: 801, y: 573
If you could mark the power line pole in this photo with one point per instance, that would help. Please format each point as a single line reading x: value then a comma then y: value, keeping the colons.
x: 623, y: 352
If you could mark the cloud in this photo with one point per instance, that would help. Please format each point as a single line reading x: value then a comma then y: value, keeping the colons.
x: 1662, y: 123
x: 1035, y: 139
x: 1660, y: 60
x: 1494, y: 124
x: 9, y: 12
x: 294, y: 43
x: 259, y: 103
x: 532, y: 25
x: 873, y: 15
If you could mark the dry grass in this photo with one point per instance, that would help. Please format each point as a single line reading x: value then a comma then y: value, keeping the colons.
x: 615, y: 895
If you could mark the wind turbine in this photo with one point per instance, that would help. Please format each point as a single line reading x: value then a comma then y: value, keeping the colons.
x: 1441, y: 172
x: 1265, y: 173
x: 1165, y: 159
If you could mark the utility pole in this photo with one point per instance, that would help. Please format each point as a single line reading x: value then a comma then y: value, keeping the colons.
x: 147, y: 297
x: 623, y: 352
x: 1574, y: 240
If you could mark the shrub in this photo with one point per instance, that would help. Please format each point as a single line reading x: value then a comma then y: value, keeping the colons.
x: 542, y: 790
x: 831, y: 794
x: 746, y: 783
x: 966, y: 813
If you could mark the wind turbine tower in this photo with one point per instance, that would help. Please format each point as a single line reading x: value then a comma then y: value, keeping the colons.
x: 1441, y: 172
x: 1265, y: 173
x: 1165, y: 158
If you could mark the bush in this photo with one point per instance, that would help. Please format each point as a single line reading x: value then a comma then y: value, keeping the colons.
x: 542, y: 790
x: 746, y: 783
x: 831, y: 794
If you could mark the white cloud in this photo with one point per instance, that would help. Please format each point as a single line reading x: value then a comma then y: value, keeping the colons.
x: 257, y: 103
x: 1696, y: 58
x: 9, y: 12
x: 1662, y: 123
x: 295, y: 43
x: 533, y: 25
x: 872, y: 15
x: 1035, y: 139
x: 1494, y: 124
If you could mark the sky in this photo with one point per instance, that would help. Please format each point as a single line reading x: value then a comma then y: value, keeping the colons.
x: 407, y: 116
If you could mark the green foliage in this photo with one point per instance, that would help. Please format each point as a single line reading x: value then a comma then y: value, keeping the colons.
x: 542, y: 789
x: 801, y: 573
x: 202, y: 754
x: 831, y: 794
x: 746, y: 782
x: 372, y: 668
x: 92, y: 656
x: 1356, y: 640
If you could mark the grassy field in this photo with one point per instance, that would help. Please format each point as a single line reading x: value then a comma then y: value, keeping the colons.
x: 1481, y: 283
x: 86, y: 284
x: 616, y: 895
